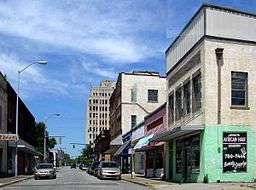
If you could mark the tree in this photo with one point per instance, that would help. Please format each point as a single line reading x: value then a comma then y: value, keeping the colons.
x: 51, y: 142
x: 39, y: 136
x: 86, y: 156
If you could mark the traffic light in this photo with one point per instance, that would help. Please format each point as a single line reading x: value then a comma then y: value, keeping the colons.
x: 74, y: 146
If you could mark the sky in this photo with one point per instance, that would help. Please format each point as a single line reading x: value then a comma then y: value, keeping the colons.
x: 84, y: 42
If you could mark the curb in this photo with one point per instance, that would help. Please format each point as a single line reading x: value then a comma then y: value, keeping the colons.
x: 15, y: 181
x: 139, y: 183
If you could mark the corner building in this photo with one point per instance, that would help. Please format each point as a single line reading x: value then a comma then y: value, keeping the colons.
x: 211, y: 76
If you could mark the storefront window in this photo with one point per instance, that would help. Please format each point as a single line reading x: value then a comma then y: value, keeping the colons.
x: 159, y: 159
x: 150, y: 159
x: 195, y: 154
x: 179, y: 157
x: 188, y: 155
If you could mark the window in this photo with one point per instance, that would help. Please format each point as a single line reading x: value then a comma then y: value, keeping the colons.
x: 196, y: 104
x: 179, y: 157
x: 186, y: 98
x: 133, y: 120
x: 239, y: 89
x: 178, y: 104
x: 133, y: 95
x: 1, y: 116
x: 152, y: 95
x: 171, y: 108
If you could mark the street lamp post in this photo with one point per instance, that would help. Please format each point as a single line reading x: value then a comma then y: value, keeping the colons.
x: 51, y: 115
x: 17, y: 111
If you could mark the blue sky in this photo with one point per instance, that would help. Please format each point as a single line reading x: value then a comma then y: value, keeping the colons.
x: 84, y: 42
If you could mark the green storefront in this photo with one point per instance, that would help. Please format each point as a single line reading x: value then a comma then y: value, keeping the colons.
x: 218, y: 153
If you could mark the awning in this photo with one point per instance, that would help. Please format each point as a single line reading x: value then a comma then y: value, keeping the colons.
x: 117, y: 141
x: 112, y: 149
x: 177, y: 132
x: 23, y: 145
x: 122, y: 149
x: 143, y: 142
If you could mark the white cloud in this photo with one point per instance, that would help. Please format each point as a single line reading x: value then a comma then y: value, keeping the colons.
x: 95, y: 27
x: 33, y: 81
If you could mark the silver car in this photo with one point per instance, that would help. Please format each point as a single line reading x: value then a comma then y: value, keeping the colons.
x: 45, y: 170
x: 109, y: 170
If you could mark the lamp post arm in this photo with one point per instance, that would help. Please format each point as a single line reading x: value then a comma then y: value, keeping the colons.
x: 20, y: 71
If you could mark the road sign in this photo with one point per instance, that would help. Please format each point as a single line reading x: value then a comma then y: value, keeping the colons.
x: 8, y: 137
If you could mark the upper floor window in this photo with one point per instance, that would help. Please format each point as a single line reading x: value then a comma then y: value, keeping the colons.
x: 133, y: 120
x: 152, y: 95
x: 171, y: 108
x: 133, y: 95
x: 186, y: 98
x: 178, y: 104
x: 196, y: 104
x: 239, y: 88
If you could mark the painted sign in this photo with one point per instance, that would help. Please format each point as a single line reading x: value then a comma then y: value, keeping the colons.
x: 234, y: 152
x: 8, y: 137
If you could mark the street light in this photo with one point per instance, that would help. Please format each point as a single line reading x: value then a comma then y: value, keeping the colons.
x: 49, y: 116
x: 41, y: 62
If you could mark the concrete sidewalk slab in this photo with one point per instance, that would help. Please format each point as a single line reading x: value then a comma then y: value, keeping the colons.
x: 11, y: 180
x: 158, y: 184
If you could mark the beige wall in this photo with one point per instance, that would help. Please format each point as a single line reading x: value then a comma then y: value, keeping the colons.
x: 237, y: 57
x: 142, y: 84
x: 181, y: 75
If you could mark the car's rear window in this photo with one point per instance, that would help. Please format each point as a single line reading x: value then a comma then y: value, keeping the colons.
x: 44, y: 166
x: 109, y: 165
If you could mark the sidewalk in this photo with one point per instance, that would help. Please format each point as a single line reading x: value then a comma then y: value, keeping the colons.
x: 157, y: 184
x: 10, y: 180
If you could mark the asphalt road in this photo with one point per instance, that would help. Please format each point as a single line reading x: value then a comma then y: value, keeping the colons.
x: 73, y: 179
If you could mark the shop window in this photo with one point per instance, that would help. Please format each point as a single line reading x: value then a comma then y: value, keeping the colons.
x: 239, y: 89
x: 186, y: 98
x: 179, y: 157
x: 195, y: 154
x: 171, y: 108
x: 196, y: 104
x: 178, y: 104
x: 152, y: 96
x: 150, y: 159
x: 159, y: 159
x: 133, y: 120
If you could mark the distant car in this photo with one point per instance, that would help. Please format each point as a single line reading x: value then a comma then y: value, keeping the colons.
x: 73, y: 165
x: 84, y: 168
x: 45, y: 170
x: 89, y: 170
x: 94, y: 168
x: 109, y: 170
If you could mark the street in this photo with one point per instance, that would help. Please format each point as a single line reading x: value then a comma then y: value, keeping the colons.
x: 69, y: 179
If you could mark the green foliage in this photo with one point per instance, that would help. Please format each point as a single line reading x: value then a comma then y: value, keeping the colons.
x: 51, y: 143
x: 39, y: 136
x: 86, y: 156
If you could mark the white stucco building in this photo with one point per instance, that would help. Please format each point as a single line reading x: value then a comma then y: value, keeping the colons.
x: 136, y: 95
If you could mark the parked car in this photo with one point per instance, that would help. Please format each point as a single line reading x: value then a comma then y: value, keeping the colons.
x: 84, y: 168
x: 94, y: 168
x: 109, y: 169
x: 89, y: 170
x: 45, y: 170
x: 73, y: 165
